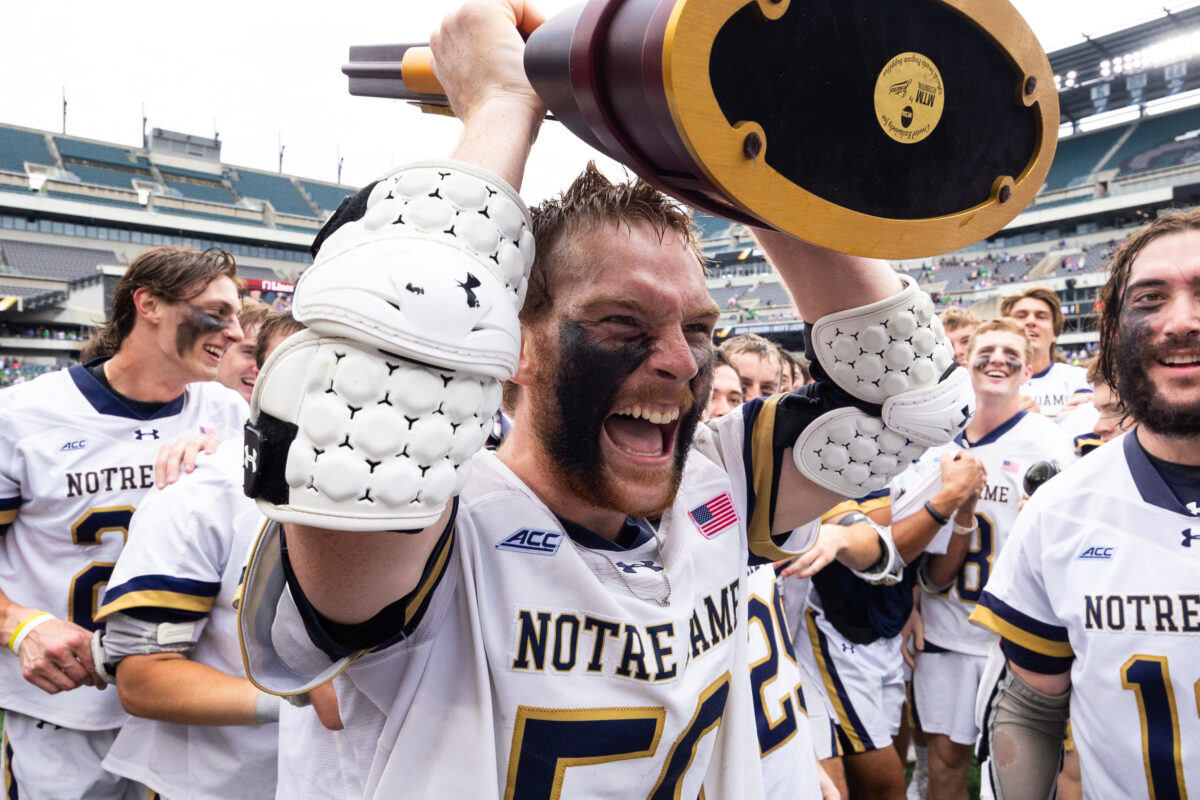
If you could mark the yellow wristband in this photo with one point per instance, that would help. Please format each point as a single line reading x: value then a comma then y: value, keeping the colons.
x: 26, y: 628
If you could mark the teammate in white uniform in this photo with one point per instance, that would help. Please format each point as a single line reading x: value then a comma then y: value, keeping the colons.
x: 1053, y: 383
x: 575, y: 618
x: 77, y: 450
x: 1006, y: 441
x: 200, y: 729
x: 1095, y: 595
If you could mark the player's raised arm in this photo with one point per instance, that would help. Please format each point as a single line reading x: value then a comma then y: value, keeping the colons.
x: 360, y: 427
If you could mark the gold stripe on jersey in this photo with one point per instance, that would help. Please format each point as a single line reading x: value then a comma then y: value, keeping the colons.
x: 844, y: 507
x: 6, y: 517
x: 875, y: 503
x: 764, y: 483
x: 157, y: 598
x: 1030, y: 641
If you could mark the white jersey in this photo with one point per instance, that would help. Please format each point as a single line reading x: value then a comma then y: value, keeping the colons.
x: 1054, y: 386
x: 784, y: 735
x: 1006, y: 453
x: 552, y: 664
x: 188, y: 546
x: 1100, y: 578
x: 74, y: 464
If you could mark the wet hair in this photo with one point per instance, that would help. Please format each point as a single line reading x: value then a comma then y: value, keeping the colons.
x: 1112, y: 294
x: 1008, y: 325
x: 175, y: 274
x: 1046, y: 295
x: 273, y: 324
x: 591, y: 202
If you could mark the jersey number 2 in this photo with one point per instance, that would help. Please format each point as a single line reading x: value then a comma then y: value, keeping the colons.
x: 89, y: 582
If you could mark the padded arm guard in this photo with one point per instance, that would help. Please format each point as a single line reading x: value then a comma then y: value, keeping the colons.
x: 888, y: 570
x: 342, y: 436
x: 1025, y: 730
x: 903, y: 392
x: 431, y: 263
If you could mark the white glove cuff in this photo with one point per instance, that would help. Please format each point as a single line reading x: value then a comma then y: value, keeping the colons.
x: 344, y: 437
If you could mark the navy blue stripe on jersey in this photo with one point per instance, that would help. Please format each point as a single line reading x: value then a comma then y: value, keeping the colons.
x: 914, y: 714
x: 1053, y: 639
x: 8, y: 512
x: 392, y: 624
x: 856, y: 740
x: 749, y: 415
x: 160, y: 591
x: 105, y: 402
x: 1034, y: 661
x: 930, y: 647
x: 10, y: 780
x: 1043, y: 373
x: 993, y: 435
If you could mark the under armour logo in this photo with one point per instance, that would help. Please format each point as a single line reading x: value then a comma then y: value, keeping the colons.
x: 1194, y: 508
x: 469, y: 286
x: 249, y: 458
x: 631, y: 568
x: 847, y: 648
x: 141, y: 434
x: 1189, y: 537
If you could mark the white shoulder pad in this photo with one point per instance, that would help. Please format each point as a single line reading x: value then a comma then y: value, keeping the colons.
x: 435, y: 270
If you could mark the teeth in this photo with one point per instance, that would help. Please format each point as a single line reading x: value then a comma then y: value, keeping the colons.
x: 213, y: 351
x: 654, y: 417
x: 1177, y: 360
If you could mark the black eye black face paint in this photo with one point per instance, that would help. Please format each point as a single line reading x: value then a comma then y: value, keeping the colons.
x: 1146, y: 404
x: 981, y: 361
x: 195, y: 325
x: 586, y: 379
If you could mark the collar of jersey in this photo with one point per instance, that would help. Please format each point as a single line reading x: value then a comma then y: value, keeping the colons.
x: 1043, y: 373
x: 586, y: 537
x: 992, y: 435
x: 105, y: 402
x: 1150, y: 484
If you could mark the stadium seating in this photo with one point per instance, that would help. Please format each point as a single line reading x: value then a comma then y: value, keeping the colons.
x: 208, y: 193
x: 180, y: 172
x: 23, y: 292
x: 257, y: 273
x: 96, y: 153
x: 1078, y: 156
x: 12, y: 187
x: 100, y: 176
x: 710, y: 227
x: 280, y: 191
x: 297, y: 229
x: 183, y: 212
x: 96, y: 199
x: 56, y: 262
x: 769, y: 295
x: 327, y: 197
x: 18, y: 147
x: 1154, y: 138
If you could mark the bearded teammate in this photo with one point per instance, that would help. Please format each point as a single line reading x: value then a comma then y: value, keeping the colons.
x: 77, y: 450
x: 573, y: 612
x: 1006, y: 441
x: 1095, y: 595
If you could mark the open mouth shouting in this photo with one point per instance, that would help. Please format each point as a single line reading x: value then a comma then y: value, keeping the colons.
x: 644, y: 432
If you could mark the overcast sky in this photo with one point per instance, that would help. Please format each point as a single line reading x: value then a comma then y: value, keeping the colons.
x: 257, y: 71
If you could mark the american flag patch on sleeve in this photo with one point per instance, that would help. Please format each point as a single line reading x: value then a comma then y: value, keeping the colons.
x: 714, y: 516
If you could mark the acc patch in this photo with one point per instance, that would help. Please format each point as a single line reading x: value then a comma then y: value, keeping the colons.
x: 531, y: 540
x: 1097, y: 552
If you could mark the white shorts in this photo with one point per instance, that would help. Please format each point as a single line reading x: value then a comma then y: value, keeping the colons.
x: 945, y: 686
x: 46, y: 762
x: 816, y: 704
x: 864, y: 683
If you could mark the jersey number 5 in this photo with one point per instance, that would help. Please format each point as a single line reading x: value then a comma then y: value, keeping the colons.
x: 546, y: 741
x: 88, y: 583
